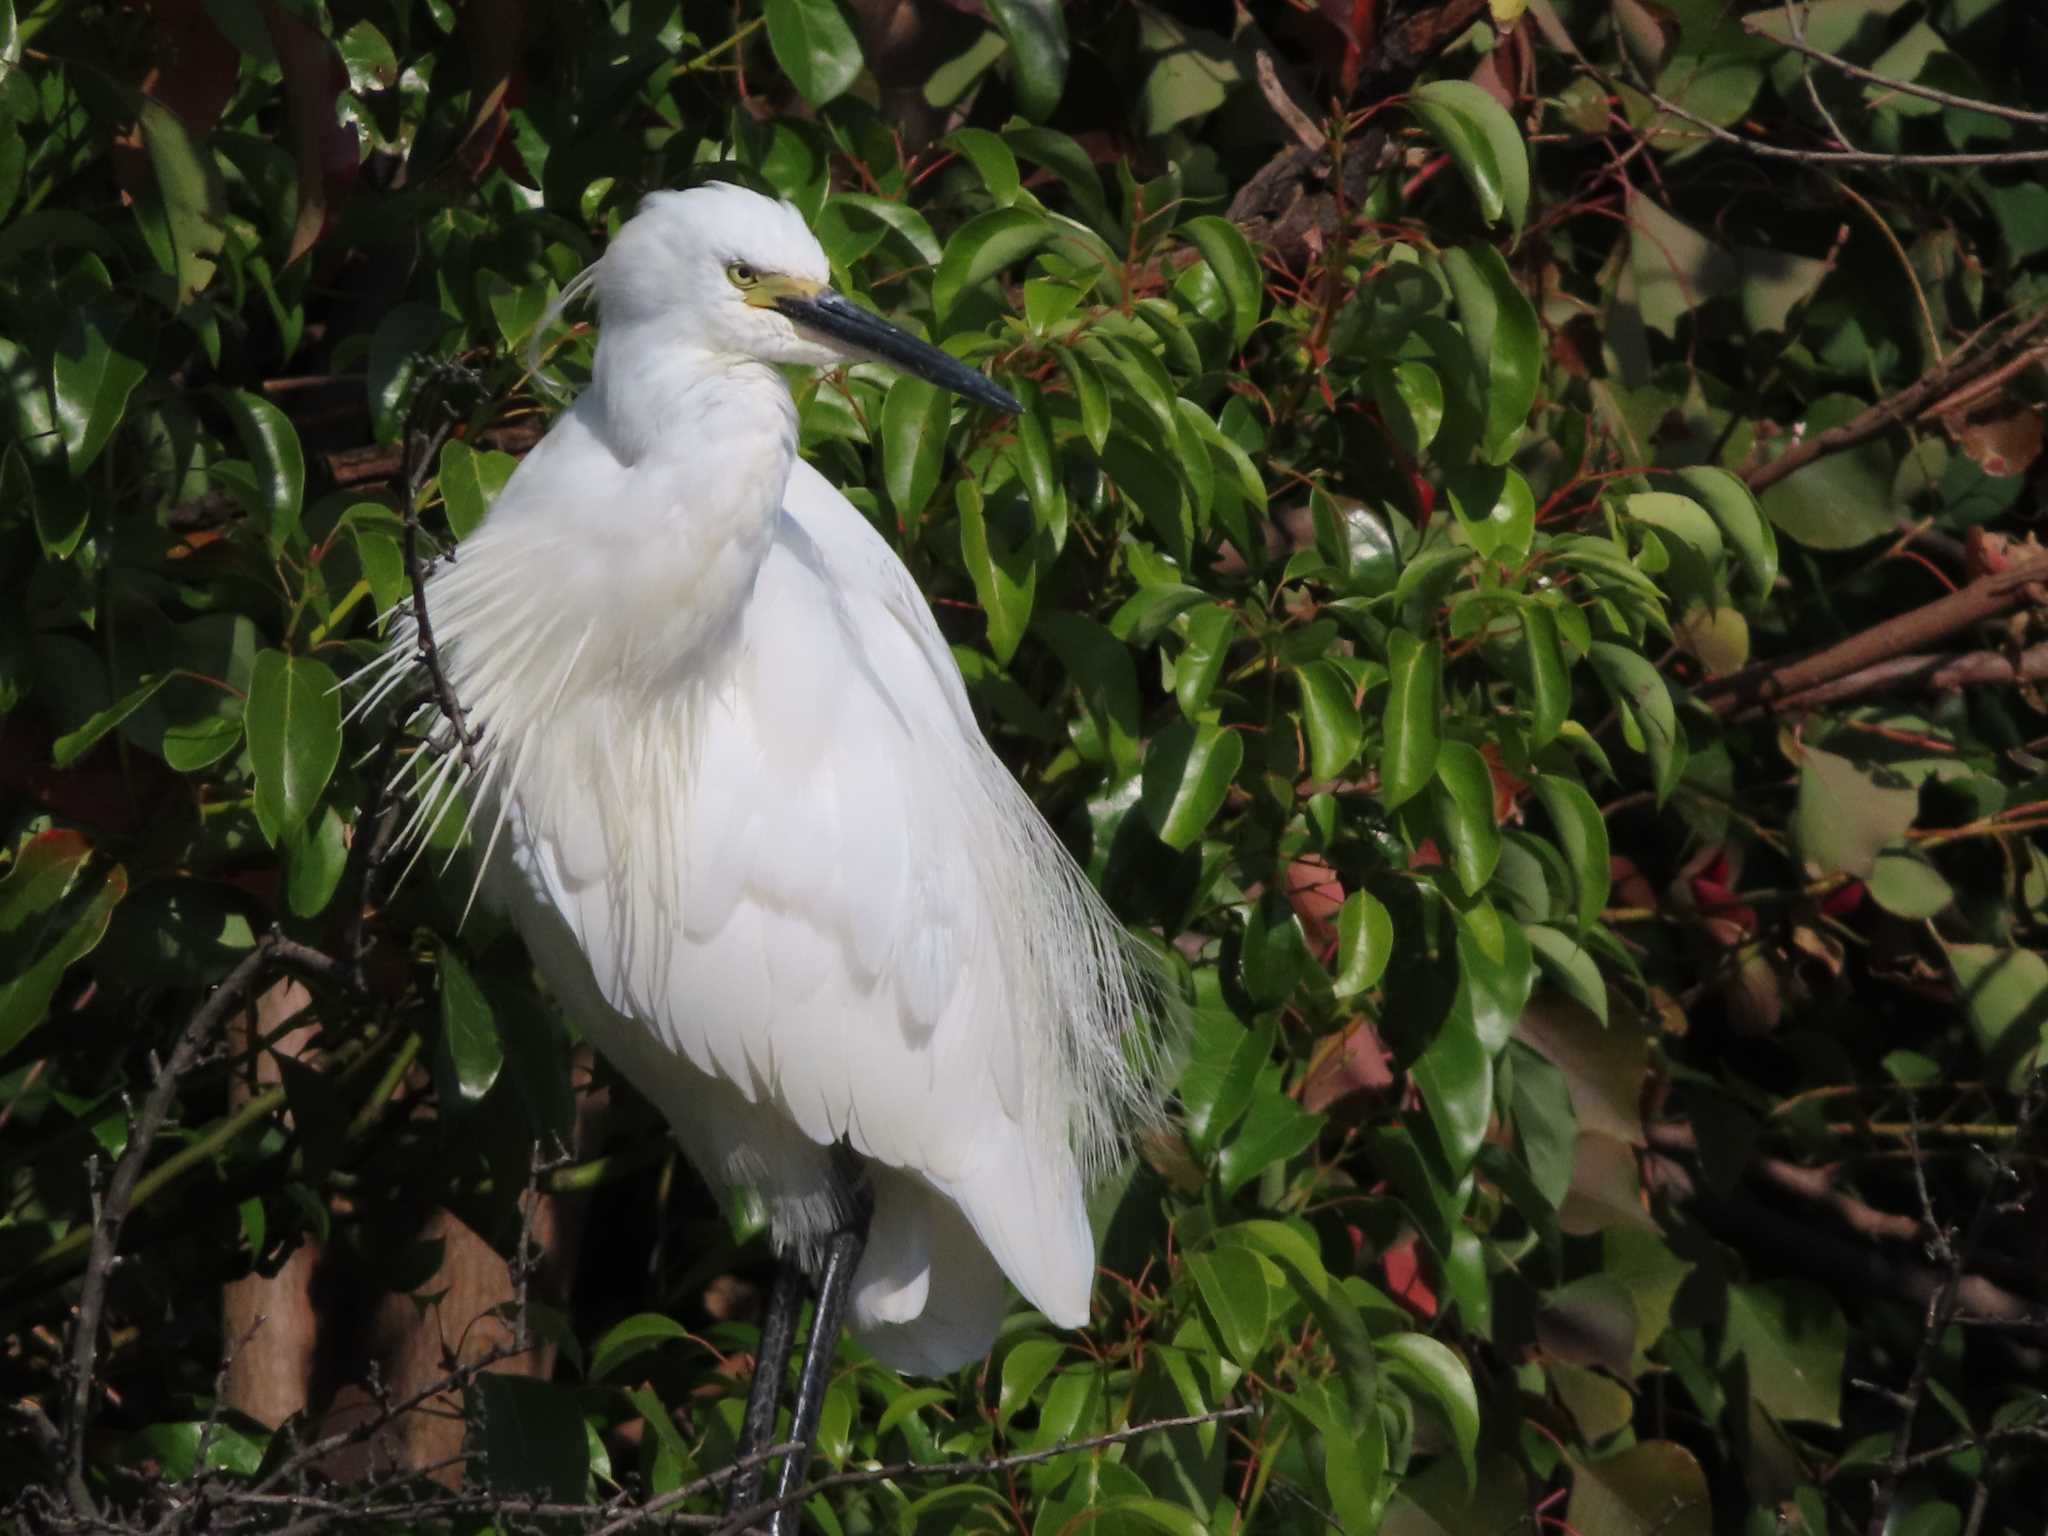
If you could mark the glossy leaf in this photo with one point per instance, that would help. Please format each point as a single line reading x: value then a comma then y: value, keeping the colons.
x: 1638, y: 689
x: 1365, y: 942
x: 470, y: 481
x: 815, y: 47
x: 1188, y: 771
x: 1037, y: 35
x: 1582, y: 834
x: 1005, y: 580
x: 1409, y: 740
x: 1483, y: 143
x: 1432, y: 1365
x: 1231, y: 258
x: 1506, y: 342
x: 1463, y: 797
x: 1329, y: 715
x: 915, y: 415
x: 272, y: 444
x: 1233, y: 1290
x: 1549, y: 689
x: 293, y: 721
x: 93, y: 372
x: 981, y: 248
x: 469, y: 1049
x: 630, y: 1338
x: 180, y: 212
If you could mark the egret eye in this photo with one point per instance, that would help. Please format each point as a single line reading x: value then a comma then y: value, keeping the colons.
x: 742, y: 275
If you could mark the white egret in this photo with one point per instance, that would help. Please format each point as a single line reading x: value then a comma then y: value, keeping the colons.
x: 734, y: 799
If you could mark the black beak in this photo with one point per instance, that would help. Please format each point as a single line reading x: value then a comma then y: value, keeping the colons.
x: 834, y: 315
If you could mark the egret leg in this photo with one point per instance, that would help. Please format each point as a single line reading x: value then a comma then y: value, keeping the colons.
x: 835, y: 1288
x: 764, y: 1394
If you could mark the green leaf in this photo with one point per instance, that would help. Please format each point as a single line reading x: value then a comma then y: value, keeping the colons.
x: 814, y: 46
x: 1210, y: 631
x: 1411, y: 401
x: 1442, y: 1374
x: 92, y: 374
x: 1233, y: 1289
x: 1906, y: 885
x: 70, y: 747
x: 1223, y: 1069
x: 273, y: 448
x: 407, y: 333
x: 1231, y: 258
x: 635, y: 1336
x: 1329, y: 714
x: 531, y: 1435
x: 1637, y: 687
x: 2004, y: 995
x: 1455, y: 1078
x: 1188, y: 772
x: 1025, y: 1368
x: 1507, y: 344
x: 1582, y: 833
x: 1005, y: 580
x: 915, y: 419
x: 293, y: 720
x: 315, y: 857
x: 1409, y: 746
x: 1495, y: 508
x: 470, y: 1050
x: 470, y: 481
x: 1549, y: 687
x: 1731, y: 504
x: 1495, y: 974
x: 1483, y: 143
x: 180, y: 208
x: 1365, y: 942
x: 1463, y: 797
x: 1846, y: 815
x: 1570, y: 964
x: 49, y: 920
x: 1654, y: 1488
x: 981, y: 248
x: 1795, y: 1338
x: 1091, y: 399
x: 1147, y: 612
x: 992, y: 161
x: 1037, y: 34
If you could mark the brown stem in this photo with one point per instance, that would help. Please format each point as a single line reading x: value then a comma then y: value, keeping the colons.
x: 1769, y: 686
x: 1933, y: 673
x: 1959, y: 370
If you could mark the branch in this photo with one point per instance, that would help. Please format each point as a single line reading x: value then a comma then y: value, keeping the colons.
x: 422, y: 449
x: 1960, y: 370
x: 1870, y: 157
x: 1768, y: 687
x: 113, y: 1210
x: 1754, y: 26
x: 1936, y: 673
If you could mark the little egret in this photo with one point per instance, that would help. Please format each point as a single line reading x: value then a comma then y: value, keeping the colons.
x: 732, y: 795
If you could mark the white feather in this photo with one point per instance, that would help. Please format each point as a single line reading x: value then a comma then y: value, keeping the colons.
x: 749, y: 828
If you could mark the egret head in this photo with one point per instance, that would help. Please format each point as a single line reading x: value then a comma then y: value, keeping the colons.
x: 740, y: 274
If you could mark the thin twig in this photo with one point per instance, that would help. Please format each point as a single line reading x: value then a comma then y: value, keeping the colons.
x: 1961, y: 368
x: 1754, y: 25
x: 83, y: 1358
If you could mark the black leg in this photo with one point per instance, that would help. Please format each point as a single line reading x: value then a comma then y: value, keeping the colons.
x: 764, y: 1395
x: 835, y: 1286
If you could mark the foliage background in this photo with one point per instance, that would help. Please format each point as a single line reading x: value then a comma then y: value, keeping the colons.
x: 1517, y: 563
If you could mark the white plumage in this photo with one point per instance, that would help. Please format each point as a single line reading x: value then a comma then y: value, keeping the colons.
x: 735, y: 800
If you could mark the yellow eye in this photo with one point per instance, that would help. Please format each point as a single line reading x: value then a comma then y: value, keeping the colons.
x: 742, y: 275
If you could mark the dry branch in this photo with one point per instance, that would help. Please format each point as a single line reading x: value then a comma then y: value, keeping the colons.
x: 1771, y: 686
